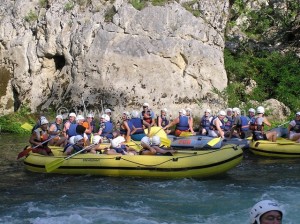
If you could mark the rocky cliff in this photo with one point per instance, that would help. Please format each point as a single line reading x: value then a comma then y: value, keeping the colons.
x: 58, y: 53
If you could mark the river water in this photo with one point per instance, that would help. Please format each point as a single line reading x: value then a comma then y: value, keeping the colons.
x: 47, y: 198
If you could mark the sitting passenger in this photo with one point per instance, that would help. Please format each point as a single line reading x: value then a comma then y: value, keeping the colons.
x: 55, y: 132
x: 136, y: 130
x: 118, y: 147
x: 228, y: 121
x: 39, y: 139
x: 294, y: 129
x: 154, y: 148
x: 205, y: 122
x: 182, y: 122
x: 217, y: 125
x: 258, y: 127
x: 162, y: 120
x: 77, y: 146
x: 106, y: 127
x: 125, y: 126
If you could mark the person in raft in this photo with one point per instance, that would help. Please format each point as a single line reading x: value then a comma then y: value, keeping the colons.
x: 118, y: 147
x: 77, y: 146
x: 266, y: 212
x: 153, y: 147
x: 294, y: 128
x: 136, y: 129
x: 182, y: 122
x: 258, y: 127
x: 217, y: 125
x: 39, y: 136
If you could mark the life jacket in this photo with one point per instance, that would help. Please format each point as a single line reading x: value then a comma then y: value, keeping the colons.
x: 258, y: 125
x: 244, y: 124
x: 41, y: 136
x: 164, y: 121
x: 214, y: 127
x: 107, y: 130
x: 148, y: 117
x: 123, y: 131
x: 57, y: 128
x: 205, y: 122
x: 72, y: 130
x: 121, y: 149
x: 228, y: 121
x: 76, y: 148
x: 137, y: 123
x: 183, y: 124
x: 251, y: 120
x: 296, y: 128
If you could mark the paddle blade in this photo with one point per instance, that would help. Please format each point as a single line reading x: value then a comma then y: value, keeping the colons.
x: 54, y: 165
x: 27, y: 126
x: 165, y: 141
x: 185, y: 134
x: 214, y: 141
x: 25, y: 152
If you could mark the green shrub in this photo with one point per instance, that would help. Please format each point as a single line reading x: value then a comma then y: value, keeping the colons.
x: 277, y: 76
x: 109, y: 14
x: 189, y: 6
x: 138, y: 4
x: 69, y: 6
x: 31, y: 16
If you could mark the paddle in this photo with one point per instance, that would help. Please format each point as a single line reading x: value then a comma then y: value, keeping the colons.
x: 214, y: 141
x: 57, y: 163
x: 164, y: 141
x: 27, y: 126
x: 28, y: 150
x: 186, y: 134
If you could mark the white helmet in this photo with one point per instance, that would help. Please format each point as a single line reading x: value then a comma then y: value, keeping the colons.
x: 251, y: 110
x: 79, y: 117
x: 237, y: 110
x: 222, y: 112
x: 164, y: 110
x: 261, y: 208
x: 135, y: 114
x: 72, y: 115
x: 90, y: 115
x: 189, y: 109
x: 146, y: 140
x: 96, y: 139
x: 107, y: 111
x: 146, y: 105
x: 298, y: 113
x: 116, y: 142
x: 208, y: 111
x: 127, y: 114
x: 260, y: 110
x: 229, y: 109
x: 77, y: 138
x: 59, y: 117
x: 182, y: 111
x: 156, y: 140
x: 44, y: 121
x: 105, y: 117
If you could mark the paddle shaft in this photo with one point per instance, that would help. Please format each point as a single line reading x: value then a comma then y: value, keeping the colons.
x: 26, y: 151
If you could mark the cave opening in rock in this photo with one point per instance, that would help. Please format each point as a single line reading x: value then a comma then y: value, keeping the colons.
x: 59, y: 61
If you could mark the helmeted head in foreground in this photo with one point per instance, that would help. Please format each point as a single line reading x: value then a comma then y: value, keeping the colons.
x: 262, y: 207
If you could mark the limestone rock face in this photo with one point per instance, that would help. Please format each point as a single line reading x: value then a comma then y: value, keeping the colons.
x: 64, y: 54
x: 278, y: 111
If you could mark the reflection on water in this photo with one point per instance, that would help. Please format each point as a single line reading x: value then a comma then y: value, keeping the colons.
x: 46, y: 198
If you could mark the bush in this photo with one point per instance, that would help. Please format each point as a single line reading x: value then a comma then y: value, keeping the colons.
x: 277, y: 76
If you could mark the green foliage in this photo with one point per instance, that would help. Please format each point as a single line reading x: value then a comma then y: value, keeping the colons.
x: 138, y: 4
x: 109, y: 14
x: 189, y: 6
x: 31, y: 16
x: 43, y: 3
x: 12, y: 123
x: 277, y: 76
x: 159, y: 2
x: 69, y: 6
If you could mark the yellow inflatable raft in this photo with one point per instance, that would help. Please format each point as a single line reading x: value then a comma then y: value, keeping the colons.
x: 281, y: 148
x: 183, y: 164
